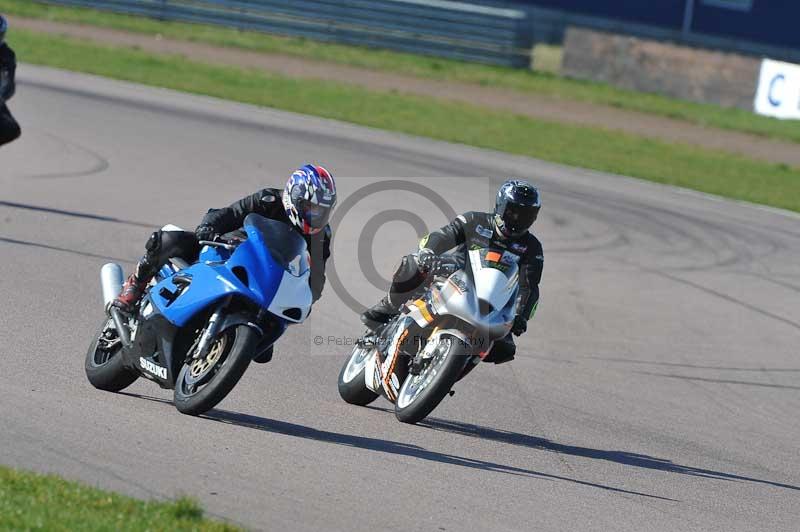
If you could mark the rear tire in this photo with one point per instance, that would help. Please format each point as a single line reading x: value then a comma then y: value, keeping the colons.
x: 448, y: 371
x: 240, y: 342
x: 352, y: 387
x: 105, y: 369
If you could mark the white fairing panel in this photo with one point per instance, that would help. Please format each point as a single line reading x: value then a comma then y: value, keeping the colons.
x: 170, y: 227
x: 491, y: 284
x: 293, y: 292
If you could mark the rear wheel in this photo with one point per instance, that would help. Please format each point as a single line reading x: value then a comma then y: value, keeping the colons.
x: 202, y: 383
x: 104, y: 367
x: 421, y: 393
x: 352, y: 386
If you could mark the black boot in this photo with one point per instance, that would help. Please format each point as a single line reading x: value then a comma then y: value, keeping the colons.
x: 264, y: 357
x: 503, y: 350
x: 379, y: 314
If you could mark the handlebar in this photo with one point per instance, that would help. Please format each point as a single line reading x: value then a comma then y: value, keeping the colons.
x: 448, y: 265
x: 214, y: 243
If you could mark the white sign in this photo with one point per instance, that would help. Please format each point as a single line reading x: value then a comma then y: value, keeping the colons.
x: 778, y: 91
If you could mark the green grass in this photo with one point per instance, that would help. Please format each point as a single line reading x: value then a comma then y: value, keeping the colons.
x: 683, y: 165
x: 30, y: 501
x: 543, y: 83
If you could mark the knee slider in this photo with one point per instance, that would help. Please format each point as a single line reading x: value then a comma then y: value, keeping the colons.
x: 407, y: 279
x: 407, y: 271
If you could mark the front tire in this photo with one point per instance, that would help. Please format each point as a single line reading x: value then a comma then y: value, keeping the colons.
x: 352, y: 386
x: 104, y: 367
x: 202, y: 384
x: 420, y: 394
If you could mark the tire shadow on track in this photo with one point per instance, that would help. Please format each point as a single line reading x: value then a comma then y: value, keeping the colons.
x: 619, y: 457
x: 392, y: 447
x: 379, y: 445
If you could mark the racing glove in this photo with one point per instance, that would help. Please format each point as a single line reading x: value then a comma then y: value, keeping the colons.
x: 205, y: 232
x: 520, y: 326
x: 428, y: 260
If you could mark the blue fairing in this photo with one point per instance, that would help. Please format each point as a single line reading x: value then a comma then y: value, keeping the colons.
x: 214, y: 277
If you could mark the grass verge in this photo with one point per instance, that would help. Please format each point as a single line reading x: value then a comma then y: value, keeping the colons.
x: 599, y: 149
x: 30, y: 501
x: 542, y: 83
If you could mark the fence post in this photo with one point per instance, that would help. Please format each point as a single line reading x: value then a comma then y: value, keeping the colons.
x: 688, y: 17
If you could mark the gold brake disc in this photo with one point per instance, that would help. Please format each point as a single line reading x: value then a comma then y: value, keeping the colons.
x: 202, y: 365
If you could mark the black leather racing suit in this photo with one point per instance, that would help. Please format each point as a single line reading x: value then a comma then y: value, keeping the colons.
x: 9, y: 128
x: 475, y: 230
x: 163, y: 245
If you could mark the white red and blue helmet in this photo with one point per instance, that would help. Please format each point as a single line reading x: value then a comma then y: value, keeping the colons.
x: 309, y: 197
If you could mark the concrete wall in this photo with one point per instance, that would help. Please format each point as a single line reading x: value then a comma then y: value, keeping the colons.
x: 661, y: 67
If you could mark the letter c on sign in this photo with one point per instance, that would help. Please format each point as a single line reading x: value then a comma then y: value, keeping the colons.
x: 774, y: 102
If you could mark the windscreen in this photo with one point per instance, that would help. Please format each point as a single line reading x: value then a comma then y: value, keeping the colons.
x: 503, y: 261
x: 285, y: 245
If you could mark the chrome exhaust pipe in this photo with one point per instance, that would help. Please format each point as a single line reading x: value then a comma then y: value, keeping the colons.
x: 111, y: 281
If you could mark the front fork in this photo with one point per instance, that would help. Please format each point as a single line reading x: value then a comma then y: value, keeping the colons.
x: 211, y: 330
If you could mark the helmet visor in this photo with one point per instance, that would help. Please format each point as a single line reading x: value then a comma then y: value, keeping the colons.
x: 519, y: 218
x: 316, y: 216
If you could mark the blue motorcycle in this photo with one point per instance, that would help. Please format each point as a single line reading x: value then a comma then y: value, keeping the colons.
x: 198, y: 326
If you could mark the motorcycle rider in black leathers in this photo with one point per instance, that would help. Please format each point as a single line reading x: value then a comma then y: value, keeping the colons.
x: 516, y: 208
x: 9, y: 128
x: 304, y: 203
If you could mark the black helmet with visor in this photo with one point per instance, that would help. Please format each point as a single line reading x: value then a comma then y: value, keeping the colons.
x: 516, y: 207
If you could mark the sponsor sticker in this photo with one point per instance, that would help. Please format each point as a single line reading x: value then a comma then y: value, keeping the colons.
x: 483, y: 231
x: 458, y: 283
x: 509, y: 258
x: 150, y: 367
x: 521, y: 248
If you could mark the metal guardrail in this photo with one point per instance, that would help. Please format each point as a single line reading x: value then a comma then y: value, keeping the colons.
x: 456, y: 30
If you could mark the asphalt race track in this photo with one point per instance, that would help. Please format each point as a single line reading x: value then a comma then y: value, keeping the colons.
x: 658, y: 388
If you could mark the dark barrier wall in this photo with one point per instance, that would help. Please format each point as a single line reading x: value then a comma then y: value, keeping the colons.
x: 775, y: 22
x: 770, y: 22
x: 665, y: 13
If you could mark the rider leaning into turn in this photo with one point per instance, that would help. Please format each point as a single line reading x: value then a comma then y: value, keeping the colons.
x: 305, y: 203
x: 516, y: 208
x: 9, y: 128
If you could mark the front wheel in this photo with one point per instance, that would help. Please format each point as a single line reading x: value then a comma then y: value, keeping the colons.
x: 421, y: 393
x: 352, y: 386
x: 104, y: 365
x: 202, y: 383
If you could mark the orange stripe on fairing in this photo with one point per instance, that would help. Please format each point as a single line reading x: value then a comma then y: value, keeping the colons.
x: 423, y: 309
x: 493, y: 256
x: 388, y: 378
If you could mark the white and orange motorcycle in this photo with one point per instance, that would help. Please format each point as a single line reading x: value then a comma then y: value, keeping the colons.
x: 416, y: 358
